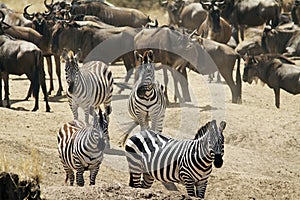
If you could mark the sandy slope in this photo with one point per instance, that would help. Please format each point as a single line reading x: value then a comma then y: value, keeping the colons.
x: 262, y: 143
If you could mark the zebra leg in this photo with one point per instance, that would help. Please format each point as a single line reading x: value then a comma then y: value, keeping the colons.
x: 87, y: 114
x: 135, y: 180
x: 147, y: 180
x: 189, y: 185
x: 79, y: 176
x: 93, y: 175
x: 201, y: 188
x: 69, y: 175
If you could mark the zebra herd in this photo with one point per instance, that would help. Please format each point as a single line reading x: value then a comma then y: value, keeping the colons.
x: 150, y: 155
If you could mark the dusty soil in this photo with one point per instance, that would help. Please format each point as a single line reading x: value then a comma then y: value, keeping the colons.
x: 262, y: 143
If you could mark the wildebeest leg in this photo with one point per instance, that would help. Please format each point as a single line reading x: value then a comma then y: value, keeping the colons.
x: 128, y: 60
x: 218, y: 77
x: 1, y: 103
x: 242, y: 32
x: 277, y: 96
x: 239, y: 82
x: 58, y: 73
x: 166, y: 81
x: 184, y: 85
x: 227, y: 75
x: 44, y: 87
x: 29, y: 92
x: 6, y: 88
x: 50, y: 72
x: 35, y: 82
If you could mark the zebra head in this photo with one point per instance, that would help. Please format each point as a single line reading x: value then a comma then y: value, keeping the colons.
x: 216, y: 142
x: 71, y: 67
x: 101, y: 124
x: 145, y: 73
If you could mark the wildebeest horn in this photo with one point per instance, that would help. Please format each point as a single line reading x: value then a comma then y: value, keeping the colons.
x: 193, y: 33
x: 164, y: 3
x: 26, y: 14
x: 221, y: 4
x: 2, y: 16
x: 48, y: 6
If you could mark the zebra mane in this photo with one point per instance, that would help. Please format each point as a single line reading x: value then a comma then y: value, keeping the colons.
x: 203, y: 130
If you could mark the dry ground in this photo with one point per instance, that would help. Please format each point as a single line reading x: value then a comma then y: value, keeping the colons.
x: 262, y: 143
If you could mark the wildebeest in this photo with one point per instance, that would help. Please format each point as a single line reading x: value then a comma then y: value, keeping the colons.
x: 250, y: 47
x: 184, y: 14
x: 117, y: 16
x: 173, y: 48
x: 281, y: 41
x: 296, y: 12
x: 252, y: 13
x: 42, y: 22
x: 215, y: 27
x: 15, y: 18
x: 276, y: 71
x: 21, y: 57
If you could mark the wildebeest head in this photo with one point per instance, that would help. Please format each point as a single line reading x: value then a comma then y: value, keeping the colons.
x: 174, y: 9
x: 38, y: 19
x: 145, y: 74
x: 250, y: 69
x: 216, y: 142
x: 214, y: 9
x: 71, y: 67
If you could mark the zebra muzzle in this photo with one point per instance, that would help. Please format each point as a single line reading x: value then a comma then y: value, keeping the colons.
x: 71, y: 87
x: 218, y: 162
x: 143, y: 89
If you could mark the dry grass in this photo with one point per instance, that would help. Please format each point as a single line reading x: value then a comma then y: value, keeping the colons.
x: 26, y: 167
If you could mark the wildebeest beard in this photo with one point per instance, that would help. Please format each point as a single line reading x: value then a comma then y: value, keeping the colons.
x: 218, y: 162
x: 143, y: 89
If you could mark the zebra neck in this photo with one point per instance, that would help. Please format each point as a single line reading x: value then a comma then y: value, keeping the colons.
x: 204, y: 148
x: 79, y: 81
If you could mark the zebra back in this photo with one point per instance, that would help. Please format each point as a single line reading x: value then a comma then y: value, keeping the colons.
x: 170, y: 160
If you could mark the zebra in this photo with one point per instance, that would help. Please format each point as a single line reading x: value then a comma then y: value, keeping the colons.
x: 88, y: 86
x: 146, y: 100
x: 151, y: 155
x: 81, y: 147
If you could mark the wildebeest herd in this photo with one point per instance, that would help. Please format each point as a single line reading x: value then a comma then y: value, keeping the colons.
x: 201, y: 36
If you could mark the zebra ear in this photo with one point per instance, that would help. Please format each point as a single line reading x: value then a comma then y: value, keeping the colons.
x: 138, y: 58
x: 222, y: 125
x: 150, y: 56
x: 78, y: 54
x: 64, y: 54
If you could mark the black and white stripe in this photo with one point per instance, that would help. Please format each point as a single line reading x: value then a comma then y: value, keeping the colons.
x: 81, y: 147
x: 88, y: 86
x: 151, y: 155
x: 147, y: 101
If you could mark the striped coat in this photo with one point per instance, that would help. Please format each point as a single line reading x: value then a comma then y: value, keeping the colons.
x: 151, y: 155
x: 89, y: 86
x: 147, y: 101
x: 81, y: 148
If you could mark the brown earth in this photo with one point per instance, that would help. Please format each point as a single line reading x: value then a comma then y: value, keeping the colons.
x: 262, y: 143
